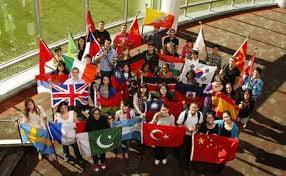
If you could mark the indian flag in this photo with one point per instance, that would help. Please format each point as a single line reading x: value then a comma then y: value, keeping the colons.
x: 87, y: 72
x: 175, y: 63
x: 98, y: 142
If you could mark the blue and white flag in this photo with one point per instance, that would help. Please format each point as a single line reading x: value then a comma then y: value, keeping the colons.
x: 131, y: 129
x: 63, y: 133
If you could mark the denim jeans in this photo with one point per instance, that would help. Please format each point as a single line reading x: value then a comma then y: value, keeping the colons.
x: 75, y: 149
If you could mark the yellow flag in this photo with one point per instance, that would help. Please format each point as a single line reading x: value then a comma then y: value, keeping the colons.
x: 158, y: 19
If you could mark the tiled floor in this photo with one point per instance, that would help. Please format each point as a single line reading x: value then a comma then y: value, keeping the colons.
x: 262, y: 145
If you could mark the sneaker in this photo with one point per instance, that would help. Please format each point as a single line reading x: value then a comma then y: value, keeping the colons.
x: 40, y: 157
x: 96, y: 168
x: 103, y: 165
x: 157, y: 162
x: 164, y: 161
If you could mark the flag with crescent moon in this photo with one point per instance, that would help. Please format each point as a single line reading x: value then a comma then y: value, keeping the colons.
x: 163, y: 136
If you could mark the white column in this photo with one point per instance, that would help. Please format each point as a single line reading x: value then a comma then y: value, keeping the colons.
x: 172, y: 7
x: 281, y: 3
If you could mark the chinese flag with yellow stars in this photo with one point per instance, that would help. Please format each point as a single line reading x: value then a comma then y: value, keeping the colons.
x: 240, y: 55
x: 213, y: 148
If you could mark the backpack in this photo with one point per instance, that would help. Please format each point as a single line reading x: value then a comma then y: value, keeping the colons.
x: 186, y: 116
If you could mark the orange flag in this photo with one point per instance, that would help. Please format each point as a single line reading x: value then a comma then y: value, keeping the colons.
x: 240, y: 55
x: 134, y: 34
x: 158, y: 19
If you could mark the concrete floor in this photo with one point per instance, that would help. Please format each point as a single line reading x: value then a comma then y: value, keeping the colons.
x: 262, y: 149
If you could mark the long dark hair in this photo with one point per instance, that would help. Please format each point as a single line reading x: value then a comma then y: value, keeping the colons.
x: 111, y: 90
x: 26, y: 110
x: 129, y: 72
x: 61, y: 63
x: 142, y: 85
x: 60, y: 106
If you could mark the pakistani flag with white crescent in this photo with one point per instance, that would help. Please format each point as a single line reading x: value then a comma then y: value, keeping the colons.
x: 98, y: 142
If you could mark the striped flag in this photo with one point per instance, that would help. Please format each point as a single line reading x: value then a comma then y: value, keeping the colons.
x: 135, y: 63
x: 91, y: 47
x: 131, y: 128
x: 175, y: 63
x: 64, y: 133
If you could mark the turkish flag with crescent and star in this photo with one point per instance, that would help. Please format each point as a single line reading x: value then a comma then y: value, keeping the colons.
x: 213, y: 148
x: 163, y: 136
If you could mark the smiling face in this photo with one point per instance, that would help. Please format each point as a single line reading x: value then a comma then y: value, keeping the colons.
x: 63, y: 108
x: 105, y: 81
x: 75, y: 73
x: 31, y: 106
x: 226, y: 117
x: 163, y: 90
x: 210, y: 119
x: 164, y: 111
x: 194, y: 108
x: 126, y: 68
x: 124, y: 108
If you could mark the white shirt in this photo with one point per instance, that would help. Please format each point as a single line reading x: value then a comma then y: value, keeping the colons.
x: 71, y: 81
x: 191, y: 121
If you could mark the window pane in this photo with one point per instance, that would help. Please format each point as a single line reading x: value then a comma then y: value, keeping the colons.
x: 17, y: 28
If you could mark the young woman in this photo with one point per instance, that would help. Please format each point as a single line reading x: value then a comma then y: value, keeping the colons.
x: 166, y: 72
x: 229, y: 91
x: 35, y: 116
x: 140, y: 98
x: 97, y: 121
x: 187, y: 49
x: 162, y: 118
x: 130, y: 79
x: 125, y: 113
x: 164, y: 93
x: 209, y: 126
x: 68, y: 118
x: 246, y: 106
x: 125, y: 55
x: 61, y: 74
x: 105, y: 88
x: 144, y: 71
x: 254, y: 83
x: 81, y: 47
x: 227, y: 127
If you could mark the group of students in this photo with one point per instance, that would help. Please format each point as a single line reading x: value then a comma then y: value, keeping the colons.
x: 198, y: 117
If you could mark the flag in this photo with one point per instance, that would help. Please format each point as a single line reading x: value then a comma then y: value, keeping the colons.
x: 153, y: 83
x: 89, y: 22
x: 44, y: 82
x: 135, y: 63
x: 134, y: 33
x: 72, y: 48
x: 249, y: 69
x: 91, y: 47
x: 153, y: 106
x: 158, y: 19
x: 87, y: 72
x: 74, y: 94
x: 163, y: 136
x: 98, y: 142
x: 240, y: 55
x: 45, y: 55
x: 223, y: 103
x: 204, y: 73
x: 39, y: 137
x: 175, y: 63
x: 80, y: 126
x: 131, y: 128
x: 189, y: 93
x: 200, y: 41
x: 213, y: 148
x: 173, y: 8
x: 64, y: 133
x: 111, y: 104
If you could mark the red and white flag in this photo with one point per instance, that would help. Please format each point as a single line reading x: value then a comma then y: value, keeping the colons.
x: 89, y: 22
x: 91, y: 47
x: 163, y: 136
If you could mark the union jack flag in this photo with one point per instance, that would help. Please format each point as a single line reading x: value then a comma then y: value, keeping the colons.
x: 74, y: 94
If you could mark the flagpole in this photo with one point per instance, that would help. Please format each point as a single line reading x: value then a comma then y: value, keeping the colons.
x: 201, y: 24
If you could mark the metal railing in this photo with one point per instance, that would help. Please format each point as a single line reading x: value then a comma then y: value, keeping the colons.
x: 125, y: 19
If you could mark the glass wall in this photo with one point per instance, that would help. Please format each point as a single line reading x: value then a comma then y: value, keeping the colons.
x: 17, y: 28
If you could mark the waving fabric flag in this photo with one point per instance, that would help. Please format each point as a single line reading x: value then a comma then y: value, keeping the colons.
x: 89, y: 22
x: 175, y: 63
x: 63, y: 133
x: 204, y: 73
x: 153, y: 83
x: 72, y: 48
x: 74, y: 94
x: 91, y: 47
x: 200, y: 41
x: 98, y: 142
x: 134, y: 33
x: 135, y: 63
x: 39, y: 137
x: 111, y: 104
x: 158, y: 19
x: 240, y: 55
x: 223, y: 103
x: 249, y: 69
x: 213, y: 148
x: 45, y: 55
x: 131, y: 129
x: 163, y: 136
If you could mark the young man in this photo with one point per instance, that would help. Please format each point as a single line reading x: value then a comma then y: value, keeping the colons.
x: 230, y: 73
x: 195, y: 57
x: 151, y: 57
x: 121, y: 40
x: 190, y: 118
x: 106, y: 58
x: 101, y: 34
x: 74, y: 79
x: 155, y: 38
x: 254, y: 82
x: 172, y: 39
x: 215, y: 58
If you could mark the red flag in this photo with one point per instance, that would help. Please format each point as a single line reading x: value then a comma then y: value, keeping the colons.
x: 249, y: 69
x: 80, y: 126
x: 134, y: 34
x: 240, y: 55
x: 110, y: 102
x: 163, y: 136
x: 175, y: 107
x: 213, y: 148
x: 89, y: 22
x: 135, y: 63
x: 45, y: 55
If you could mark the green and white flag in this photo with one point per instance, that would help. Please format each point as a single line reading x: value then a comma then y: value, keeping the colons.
x: 98, y: 142
x: 71, y: 49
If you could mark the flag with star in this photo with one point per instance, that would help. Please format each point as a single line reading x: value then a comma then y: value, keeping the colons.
x: 98, y: 142
x: 241, y: 54
x: 213, y: 148
x: 134, y: 33
x: 161, y: 135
